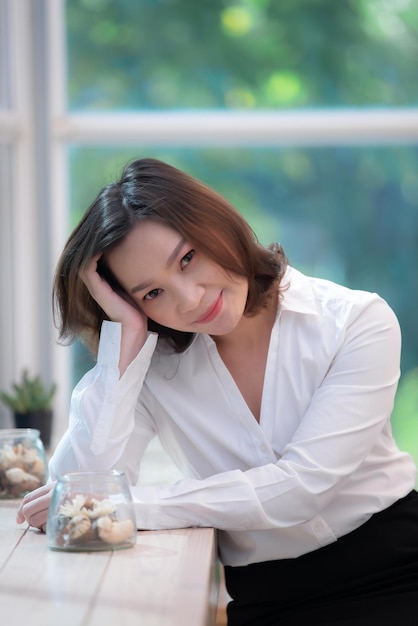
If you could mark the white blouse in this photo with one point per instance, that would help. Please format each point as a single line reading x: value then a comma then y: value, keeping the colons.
x: 319, y: 463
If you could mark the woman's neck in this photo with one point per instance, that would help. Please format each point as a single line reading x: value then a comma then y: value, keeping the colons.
x: 250, y: 331
x: 244, y: 352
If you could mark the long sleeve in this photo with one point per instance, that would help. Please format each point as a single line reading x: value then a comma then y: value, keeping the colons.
x: 102, y: 410
x: 340, y: 427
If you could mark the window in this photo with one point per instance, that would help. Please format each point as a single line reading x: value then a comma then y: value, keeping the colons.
x: 303, y: 115
x: 25, y: 329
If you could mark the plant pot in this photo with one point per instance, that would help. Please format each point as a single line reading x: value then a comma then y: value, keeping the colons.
x: 40, y: 420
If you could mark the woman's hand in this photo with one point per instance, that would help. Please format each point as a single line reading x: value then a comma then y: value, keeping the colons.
x: 34, y: 507
x: 118, y: 309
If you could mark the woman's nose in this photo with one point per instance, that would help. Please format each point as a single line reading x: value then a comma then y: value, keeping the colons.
x: 189, y: 297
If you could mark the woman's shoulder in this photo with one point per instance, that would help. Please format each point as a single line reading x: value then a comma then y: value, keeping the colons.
x: 324, y: 297
x: 316, y: 288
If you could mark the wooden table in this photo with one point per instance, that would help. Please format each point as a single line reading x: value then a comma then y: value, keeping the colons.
x: 169, y: 578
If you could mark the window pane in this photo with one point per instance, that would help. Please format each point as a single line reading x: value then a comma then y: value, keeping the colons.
x: 348, y: 214
x: 255, y: 54
x: 5, y: 55
x: 7, y: 275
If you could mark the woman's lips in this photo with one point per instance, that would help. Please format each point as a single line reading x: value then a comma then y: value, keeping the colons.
x: 212, y: 311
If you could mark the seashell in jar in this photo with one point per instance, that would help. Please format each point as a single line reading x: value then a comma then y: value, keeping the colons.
x: 18, y: 482
x: 113, y: 531
x: 79, y: 528
x: 17, y: 475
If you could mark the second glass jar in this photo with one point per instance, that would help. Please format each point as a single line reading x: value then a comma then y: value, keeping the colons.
x: 91, y: 511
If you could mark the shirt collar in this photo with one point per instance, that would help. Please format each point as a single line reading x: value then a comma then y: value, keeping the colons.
x: 297, y: 293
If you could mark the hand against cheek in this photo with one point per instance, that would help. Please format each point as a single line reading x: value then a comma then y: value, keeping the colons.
x: 34, y: 507
x: 116, y: 307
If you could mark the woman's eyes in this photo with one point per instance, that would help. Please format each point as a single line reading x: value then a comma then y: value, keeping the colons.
x: 184, y: 262
x: 151, y: 295
x: 186, y: 259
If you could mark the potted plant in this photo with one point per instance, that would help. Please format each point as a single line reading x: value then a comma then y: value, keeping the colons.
x: 31, y: 404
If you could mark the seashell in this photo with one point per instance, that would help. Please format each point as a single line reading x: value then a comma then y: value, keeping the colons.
x: 73, y: 508
x: 38, y: 465
x: 78, y: 527
x: 28, y: 455
x: 20, y: 456
x: 112, y: 531
x: 8, y: 457
x: 100, y: 508
x: 17, y: 475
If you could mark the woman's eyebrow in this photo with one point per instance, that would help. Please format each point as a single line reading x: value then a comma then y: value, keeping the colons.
x: 168, y: 264
x: 175, y: 253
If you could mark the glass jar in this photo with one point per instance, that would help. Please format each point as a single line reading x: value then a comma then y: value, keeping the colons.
x: 91, y: 511
x: 23, y: 465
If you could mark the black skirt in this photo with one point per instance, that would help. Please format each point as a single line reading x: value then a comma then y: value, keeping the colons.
x: 366, y: 578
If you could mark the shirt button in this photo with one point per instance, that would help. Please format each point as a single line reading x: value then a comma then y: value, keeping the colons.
x: 318, y: 526
x: 264, y: 447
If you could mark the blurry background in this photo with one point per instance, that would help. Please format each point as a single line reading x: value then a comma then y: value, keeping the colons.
x: 303, y: 113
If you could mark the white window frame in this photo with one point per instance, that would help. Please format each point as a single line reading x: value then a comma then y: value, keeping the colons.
x: 40, y: 161
x: 25, y: 320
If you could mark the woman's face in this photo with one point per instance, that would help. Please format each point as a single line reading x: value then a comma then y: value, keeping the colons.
x: 174, y: 283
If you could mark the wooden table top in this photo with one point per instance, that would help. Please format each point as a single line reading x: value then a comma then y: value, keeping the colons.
x: 169, y: 578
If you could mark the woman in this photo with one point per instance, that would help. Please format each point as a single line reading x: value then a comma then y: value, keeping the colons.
x: 270, y: 390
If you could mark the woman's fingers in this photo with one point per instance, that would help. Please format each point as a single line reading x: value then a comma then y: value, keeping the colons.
x: 99, y: 289
x: 34, y: 507
x: 117, y: 305
x: 29, y: 497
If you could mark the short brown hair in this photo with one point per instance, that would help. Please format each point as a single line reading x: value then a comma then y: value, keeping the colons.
x: 149, y: 188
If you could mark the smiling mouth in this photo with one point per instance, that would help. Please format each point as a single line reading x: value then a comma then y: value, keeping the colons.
x: 212, y: 312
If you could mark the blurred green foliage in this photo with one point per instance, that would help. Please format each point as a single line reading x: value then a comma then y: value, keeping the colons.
x: 28, y: 394
x: 159, y: 54
x: 345, y: 213
x: 405, y: 414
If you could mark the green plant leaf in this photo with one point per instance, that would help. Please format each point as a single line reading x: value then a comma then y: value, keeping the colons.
x: 29, y: 395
